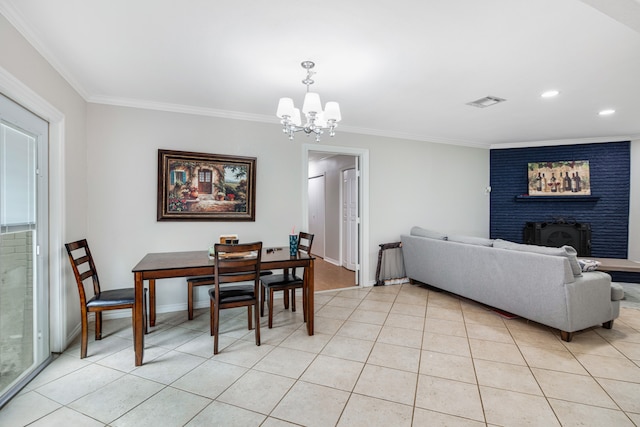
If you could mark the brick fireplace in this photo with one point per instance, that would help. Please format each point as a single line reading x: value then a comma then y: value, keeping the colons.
x: 607, y: 211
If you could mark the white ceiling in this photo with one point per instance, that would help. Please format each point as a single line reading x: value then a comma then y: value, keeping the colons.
x: 403, y: 68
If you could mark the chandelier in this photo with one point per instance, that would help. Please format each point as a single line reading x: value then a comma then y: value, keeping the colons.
x: 317, y: 120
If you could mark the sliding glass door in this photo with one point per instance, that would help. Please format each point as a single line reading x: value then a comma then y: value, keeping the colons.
x: 24, y: 317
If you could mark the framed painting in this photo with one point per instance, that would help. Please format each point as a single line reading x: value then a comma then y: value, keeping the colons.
x: 570, y: 178
x: 205, y: 187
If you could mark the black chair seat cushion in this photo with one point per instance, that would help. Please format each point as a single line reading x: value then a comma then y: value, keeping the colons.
x: 281, y: 281
x: 112, y: 297
x: 236, y: 293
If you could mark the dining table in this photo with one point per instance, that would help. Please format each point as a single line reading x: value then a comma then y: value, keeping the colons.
x: 165, y: 265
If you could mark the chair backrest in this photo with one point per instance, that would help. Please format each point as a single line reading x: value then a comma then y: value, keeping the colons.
x: 83, y: 267
x: 237, y: 263
x: 305, y: 240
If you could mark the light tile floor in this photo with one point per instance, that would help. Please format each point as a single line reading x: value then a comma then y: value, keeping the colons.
x: 397, y: 355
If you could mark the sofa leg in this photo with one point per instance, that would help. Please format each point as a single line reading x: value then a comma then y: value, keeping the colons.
x: 608, y: 325
x: 566, y: 336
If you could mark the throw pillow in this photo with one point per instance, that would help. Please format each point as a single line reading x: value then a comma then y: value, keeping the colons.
x: 566, y: 251
x: 431, y: 234
x: 470, y: 240
x: 588, y: 264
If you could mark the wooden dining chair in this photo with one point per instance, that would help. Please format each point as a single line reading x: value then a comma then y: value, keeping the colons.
x: 287, y: 281
x: 233, y: 265
x: 195, y: 281
x: 84, y: 268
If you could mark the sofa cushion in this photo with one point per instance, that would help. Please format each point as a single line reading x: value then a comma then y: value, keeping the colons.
x: 566, y: 251
x: 431, y: 234
x: 470, y: 240
x: 617, y: 291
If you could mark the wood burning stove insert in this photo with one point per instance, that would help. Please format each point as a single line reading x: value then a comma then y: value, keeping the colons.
x: 558, y: 233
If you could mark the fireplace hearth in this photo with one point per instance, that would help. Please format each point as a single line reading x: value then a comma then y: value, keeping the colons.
x: 559, y: 233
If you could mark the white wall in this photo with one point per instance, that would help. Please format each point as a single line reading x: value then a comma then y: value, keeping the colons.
x: 432, y: 185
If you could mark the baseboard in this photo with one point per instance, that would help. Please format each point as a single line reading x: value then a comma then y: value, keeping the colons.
x: 333, y: 261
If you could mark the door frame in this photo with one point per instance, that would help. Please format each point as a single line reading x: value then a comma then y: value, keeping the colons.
x: 25, y: 96
x: 364, y: 278
x: 343, y: 232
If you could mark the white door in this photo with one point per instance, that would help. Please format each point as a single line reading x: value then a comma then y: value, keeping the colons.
x: 317, y: 213
x: 24, y: 299
x: 350, y: 219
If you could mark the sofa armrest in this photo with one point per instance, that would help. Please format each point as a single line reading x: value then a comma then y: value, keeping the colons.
x: 589, y: 300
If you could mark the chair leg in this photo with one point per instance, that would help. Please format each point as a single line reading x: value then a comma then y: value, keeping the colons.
x: 257, y: 327
x: 190, y: 300
x: 262, y: 301
x: 98, y: 317
x: 270, y: 308
x: 144, y: 313
x: 304, y: 304
x: 286, y: 299
x: 293, y: 298
x: 211, y: 318
x: 152, y: 302
x: 216, y: 321
x: 85, y: 336
x: 250, y: 321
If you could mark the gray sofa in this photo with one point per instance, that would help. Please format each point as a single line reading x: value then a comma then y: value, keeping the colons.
x: 542, y: 284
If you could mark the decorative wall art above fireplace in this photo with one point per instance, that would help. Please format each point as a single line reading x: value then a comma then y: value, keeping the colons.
x: 570, y: 178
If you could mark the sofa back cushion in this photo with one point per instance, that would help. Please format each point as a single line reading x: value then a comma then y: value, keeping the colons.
x: 566, y: 251
x: 425, y: 232
x: 470, y: 240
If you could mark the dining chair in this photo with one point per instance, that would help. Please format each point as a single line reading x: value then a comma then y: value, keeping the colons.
x: 286, y: 282
x: 194, y: 281
x: 113, y: 299
x: 236, y: 284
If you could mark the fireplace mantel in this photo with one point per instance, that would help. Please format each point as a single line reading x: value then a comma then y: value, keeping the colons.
x: 527, y: 198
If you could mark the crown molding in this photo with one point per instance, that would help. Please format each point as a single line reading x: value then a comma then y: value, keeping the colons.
x: 180, y: 108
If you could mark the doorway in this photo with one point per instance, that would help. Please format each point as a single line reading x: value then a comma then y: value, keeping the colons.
x: 346, y: 233
x: 24, y: 298
x: 317, y: 212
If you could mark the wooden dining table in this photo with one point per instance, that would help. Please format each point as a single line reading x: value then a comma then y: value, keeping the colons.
x: 167, y: 265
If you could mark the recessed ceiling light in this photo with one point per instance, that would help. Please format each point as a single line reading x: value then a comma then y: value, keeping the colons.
x: 606, y: 112
x: 550, y: 93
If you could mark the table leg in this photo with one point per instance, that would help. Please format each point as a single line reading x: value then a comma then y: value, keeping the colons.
x: 310, y: 293
x: 152, y: 302
x: 138, y: 319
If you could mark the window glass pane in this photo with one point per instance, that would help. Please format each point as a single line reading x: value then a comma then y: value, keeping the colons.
x: 17, y: 177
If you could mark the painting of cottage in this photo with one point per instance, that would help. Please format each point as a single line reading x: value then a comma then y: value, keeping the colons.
x: 206, y: 186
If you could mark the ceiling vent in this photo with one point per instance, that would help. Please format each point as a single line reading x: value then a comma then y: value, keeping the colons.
x: 487, y: 101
